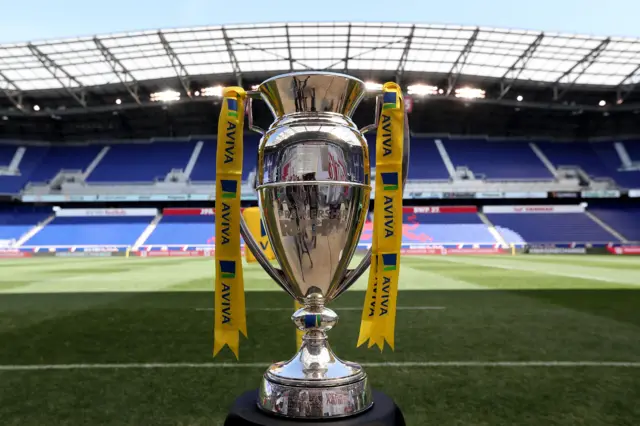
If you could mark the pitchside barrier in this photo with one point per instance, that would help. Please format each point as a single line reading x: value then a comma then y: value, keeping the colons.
x: 415, y: 241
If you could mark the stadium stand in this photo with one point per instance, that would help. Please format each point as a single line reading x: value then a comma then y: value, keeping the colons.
x: 453, y: 228
x: 17, y: 222
x: 183, y: 230
x: 77, y: 231
x: 32, y: 159
x: 497, y: 160
x: 145, y: 162
x: 60, y: 158
x: 549, y: 228
x: 625, y: 220
x: 205, y: 168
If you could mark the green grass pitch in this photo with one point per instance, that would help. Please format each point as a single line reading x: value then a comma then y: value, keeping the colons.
x: 510, y: 340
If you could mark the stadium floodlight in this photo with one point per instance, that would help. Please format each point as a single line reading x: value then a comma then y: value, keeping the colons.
x: 118, y: 101
x: 212, y: 91
x: 470, y: 93
x: 36, y: 107
x: 166, y: 96
x: 519, y: 98
x: 602, y: 102
x: 197, y: 93
x: 372, y: 86
x: 422, y: 90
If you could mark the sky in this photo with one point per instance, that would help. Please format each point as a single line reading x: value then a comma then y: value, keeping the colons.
x: 34, y: 20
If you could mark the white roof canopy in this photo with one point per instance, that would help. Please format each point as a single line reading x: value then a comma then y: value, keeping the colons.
x: 485, y: 52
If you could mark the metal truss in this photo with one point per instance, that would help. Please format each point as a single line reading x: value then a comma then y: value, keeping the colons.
x: 291, y: 61
x: 570, y: 76
x: 60, y: 74
x: 405, y: 54
x: 628, y: 85
x: 346, y: 55
x: 232, y: 57
x: 181, y: 71
x: 12, y: 91
x: 458, y: 65
x: 514, y: 71
x: 126, y: 78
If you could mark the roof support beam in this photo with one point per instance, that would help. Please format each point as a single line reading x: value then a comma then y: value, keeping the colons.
x: 126, y: 78
x: 459, y: 64
x: 514, y: 71
x: 346, y: 55
x: 405, y: 54
x: 61, y: 75
x: 570, y: 76
x: 12, y: 91
x: 286, y: 27
x: 232, y: 57
x: 628, y: 85
x: 181, y: 71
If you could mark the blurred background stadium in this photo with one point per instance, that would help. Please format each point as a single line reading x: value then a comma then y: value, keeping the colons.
x: 523, y: 144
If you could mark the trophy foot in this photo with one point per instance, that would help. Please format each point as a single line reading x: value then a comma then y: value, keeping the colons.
x: 315, y: 384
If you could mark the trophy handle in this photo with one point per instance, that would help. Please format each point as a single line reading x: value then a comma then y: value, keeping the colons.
x: 353, y: 274
x: 249, y: 111
x: 370, y: 127
x: 252, y: 244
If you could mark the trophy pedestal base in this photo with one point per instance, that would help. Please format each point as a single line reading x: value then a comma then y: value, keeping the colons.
x: 245, y: 412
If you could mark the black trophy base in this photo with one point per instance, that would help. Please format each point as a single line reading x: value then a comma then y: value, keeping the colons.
x: 245, y: 412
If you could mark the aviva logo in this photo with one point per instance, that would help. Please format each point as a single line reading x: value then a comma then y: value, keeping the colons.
x: 228, y: 268
x: 229, y: 188
x: 389, y: 262
x: 232, y: 108
x: 389, y: 100
x: 389, y: 181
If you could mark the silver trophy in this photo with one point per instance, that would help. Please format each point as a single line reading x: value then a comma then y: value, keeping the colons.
x: 314, y: 192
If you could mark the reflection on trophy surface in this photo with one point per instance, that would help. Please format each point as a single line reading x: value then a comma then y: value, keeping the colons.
x: 314, y: 192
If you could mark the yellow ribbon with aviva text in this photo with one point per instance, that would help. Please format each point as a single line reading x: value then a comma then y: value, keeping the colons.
x: 379, y: 313
x: 229, y: 309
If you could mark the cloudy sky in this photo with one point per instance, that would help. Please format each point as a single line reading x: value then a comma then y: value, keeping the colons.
x: 32, y: 20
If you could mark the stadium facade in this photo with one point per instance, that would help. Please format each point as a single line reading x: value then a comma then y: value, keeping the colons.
x: 520, y: 139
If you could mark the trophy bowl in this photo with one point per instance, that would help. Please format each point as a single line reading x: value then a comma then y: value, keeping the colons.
x: 313, y: 190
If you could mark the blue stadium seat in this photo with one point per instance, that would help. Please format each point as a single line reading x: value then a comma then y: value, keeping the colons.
x: 425, y: 162
x: 440, y: 229
x: 76, y: 231
x: 205, y: 169
x: 142, y: 162
x: 14, y: 224
x: 64, y: 157
x: 625, y: 220
x: 609, y: 156
x: 497, y: 160
x: 31, y: 160
x: 551, y: 227
x: 183, y: 230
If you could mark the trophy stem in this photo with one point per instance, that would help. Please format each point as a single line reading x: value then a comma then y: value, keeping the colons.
x: 315, y: 383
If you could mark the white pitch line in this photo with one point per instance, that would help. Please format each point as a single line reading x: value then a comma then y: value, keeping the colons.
x: 351, y: 308
x: 408, y: 364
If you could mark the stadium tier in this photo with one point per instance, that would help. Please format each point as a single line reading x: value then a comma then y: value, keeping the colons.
x: 550, y: 228
x: 431, y: 159
x: 91, y: 231
x: 183, y: 230
x: 463, y: 226
x: 624, y: 220
x: 14, y: 224
x: 498, y: 160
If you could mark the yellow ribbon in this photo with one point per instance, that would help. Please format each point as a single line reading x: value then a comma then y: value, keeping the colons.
x: 230, y: 313
x: 379, y: 313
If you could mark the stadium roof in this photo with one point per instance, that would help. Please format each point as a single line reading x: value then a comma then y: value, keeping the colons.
x: 109, y: 63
